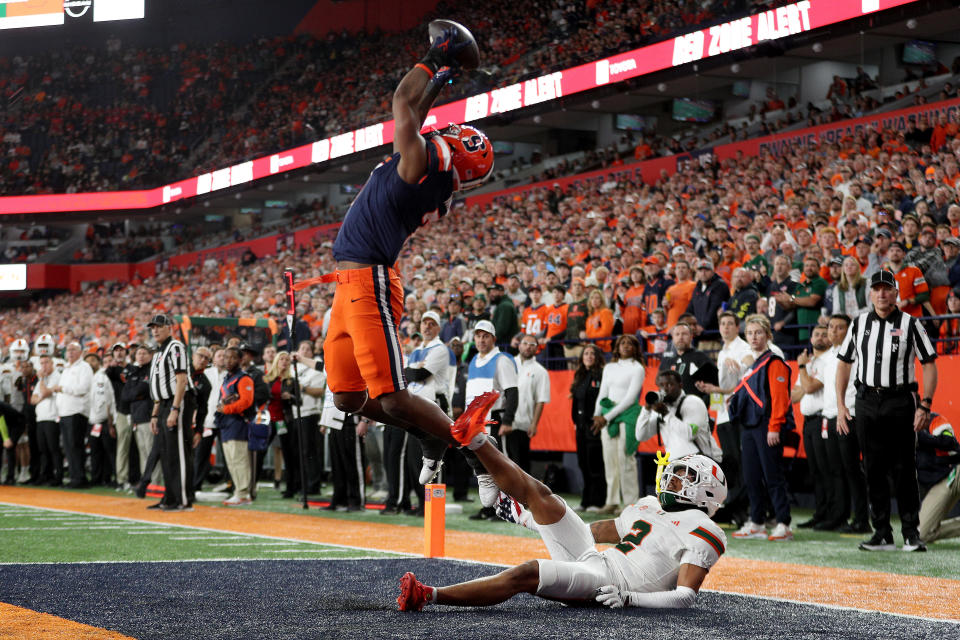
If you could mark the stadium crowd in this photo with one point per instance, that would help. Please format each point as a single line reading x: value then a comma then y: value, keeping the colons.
x: 123, y: 117
x: 786, y: 243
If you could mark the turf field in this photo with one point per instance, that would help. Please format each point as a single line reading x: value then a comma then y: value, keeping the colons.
x: 94, y: 564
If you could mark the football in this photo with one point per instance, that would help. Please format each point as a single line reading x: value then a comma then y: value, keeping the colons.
x: 469, y: 56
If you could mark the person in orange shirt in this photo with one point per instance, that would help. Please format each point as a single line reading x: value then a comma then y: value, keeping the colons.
x: 599, y: 320
x: 556, y: 326
x: 729, y: 260
x: 656, y: 334
x: 533, y: 320
x: 631, y: 305
x: 678, y: 296
x: 911, y: 284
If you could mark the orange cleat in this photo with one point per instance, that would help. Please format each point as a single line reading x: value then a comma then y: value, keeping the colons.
x: 413, y: 593
x: 474, y: 421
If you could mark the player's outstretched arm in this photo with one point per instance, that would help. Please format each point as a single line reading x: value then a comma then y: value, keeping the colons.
x: 413, y: 98
x: 684, y: 596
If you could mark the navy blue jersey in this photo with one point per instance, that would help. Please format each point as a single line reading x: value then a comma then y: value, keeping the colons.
x: 388, y: 210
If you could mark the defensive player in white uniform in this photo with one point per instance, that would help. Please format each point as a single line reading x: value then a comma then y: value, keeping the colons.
x: 665, y: 544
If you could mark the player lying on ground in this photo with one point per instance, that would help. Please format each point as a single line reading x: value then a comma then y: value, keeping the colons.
x: 363, y: 355
x: 665, y: 545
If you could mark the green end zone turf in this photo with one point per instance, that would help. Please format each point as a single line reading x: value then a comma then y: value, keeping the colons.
x: 43, y: 535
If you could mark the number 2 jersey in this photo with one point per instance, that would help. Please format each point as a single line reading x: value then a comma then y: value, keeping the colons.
x: 654, y: 543
x: 388, y: 210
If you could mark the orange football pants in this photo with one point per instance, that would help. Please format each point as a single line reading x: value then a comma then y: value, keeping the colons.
x: 362, y: 349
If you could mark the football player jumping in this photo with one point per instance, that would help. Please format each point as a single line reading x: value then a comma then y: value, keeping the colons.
x: 664, y: 544
x: 363, y: 354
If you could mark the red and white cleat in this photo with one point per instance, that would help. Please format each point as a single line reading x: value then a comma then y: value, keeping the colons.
x: 472, y: 423
x: 413, y: 593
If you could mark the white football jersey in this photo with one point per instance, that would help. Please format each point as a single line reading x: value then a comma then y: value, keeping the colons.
x: 654, y: 543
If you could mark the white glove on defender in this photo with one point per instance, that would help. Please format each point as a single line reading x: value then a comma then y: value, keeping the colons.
x: 680, y: 598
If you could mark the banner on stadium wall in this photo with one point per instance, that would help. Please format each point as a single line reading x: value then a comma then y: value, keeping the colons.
x: 555, y: 431
x: 782, y: 143
x: 738, y: 34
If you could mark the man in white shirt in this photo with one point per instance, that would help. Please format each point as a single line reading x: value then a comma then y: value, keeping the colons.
x: 102, y: 434
x: 491, y: 370
x: 73, y: 404
x: 844, y: 449
x: 809, y: 392
x: 312, y: 384
x: 679, y: 420
x: 533, y: 393
x: 48, y: 428
x: 734, y: 358
x: 215, y: 374
x: 429, y: 371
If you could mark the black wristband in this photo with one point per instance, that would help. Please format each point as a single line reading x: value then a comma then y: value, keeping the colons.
x: 923, y: 408
x: 927, y: 401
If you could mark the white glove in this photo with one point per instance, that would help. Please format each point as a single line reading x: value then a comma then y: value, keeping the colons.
x: 610, y: 596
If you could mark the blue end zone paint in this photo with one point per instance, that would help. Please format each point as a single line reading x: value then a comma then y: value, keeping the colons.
x: 357, y: 599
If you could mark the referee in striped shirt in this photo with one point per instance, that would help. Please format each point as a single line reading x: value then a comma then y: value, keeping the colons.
x: 883, y: 344
x: 171, y: 390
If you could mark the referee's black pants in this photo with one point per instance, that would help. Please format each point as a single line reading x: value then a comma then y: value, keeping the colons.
x: 885, y: 429
x: 176, y: 451
x: 347, y: 465
x: 853, y: 474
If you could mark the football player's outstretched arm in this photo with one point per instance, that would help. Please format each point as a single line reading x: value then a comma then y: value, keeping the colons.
x: 684, y: 596
x: 407, y: 140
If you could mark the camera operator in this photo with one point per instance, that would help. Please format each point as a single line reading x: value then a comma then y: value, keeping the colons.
x: 679, y: 420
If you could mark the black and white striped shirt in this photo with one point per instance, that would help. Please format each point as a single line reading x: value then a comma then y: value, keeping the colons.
x: 884, y: 348
x: 169, y: 360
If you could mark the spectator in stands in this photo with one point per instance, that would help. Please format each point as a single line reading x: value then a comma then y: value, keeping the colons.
x: 912, y: 286
x: 599, y: 323
x: 614, y: 417
x: 763, y: 422
x: 677, y: 297
x: 577, y: 313
x: 583, y: 394
x: 927, y: 257
x: 504, y: 313
x: 556, y: 326
x: 780, y: 318
x: 850, y: 293
x: 234, y: 410
x: 950, y: 328
x: 693, y: 365
x: 806, y: 298
x: 708, y: 297
x: 743, y: 302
